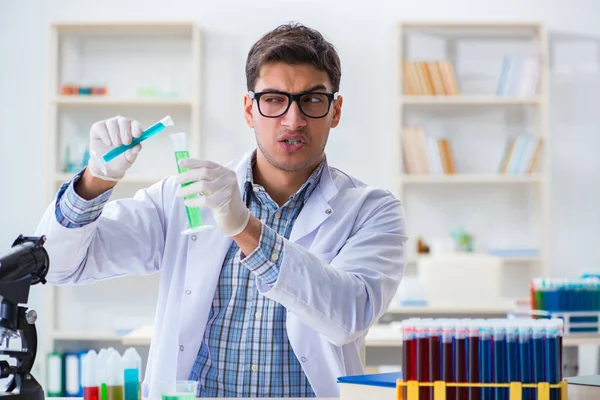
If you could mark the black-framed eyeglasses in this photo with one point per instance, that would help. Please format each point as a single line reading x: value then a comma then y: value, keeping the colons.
x: 273, y: 104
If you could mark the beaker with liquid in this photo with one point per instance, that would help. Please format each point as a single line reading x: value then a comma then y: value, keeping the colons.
x: 178, y: 390
x: 194, y: 214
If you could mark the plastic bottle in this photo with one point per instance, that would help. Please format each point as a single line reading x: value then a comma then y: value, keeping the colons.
x: 89, y: 376
x: 132, y: 374
x: 114, y: 376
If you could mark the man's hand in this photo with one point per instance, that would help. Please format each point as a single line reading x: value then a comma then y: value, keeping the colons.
x: 217, y: 188
x: 108, y: 134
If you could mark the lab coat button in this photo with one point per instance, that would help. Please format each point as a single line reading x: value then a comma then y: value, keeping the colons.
x: 188, y: 291
x: 303, y: 359
x: 274, y: 257
x: 181, y: 348
x: 194, y: 237
x: 328, y: 211
x: 254, y: 368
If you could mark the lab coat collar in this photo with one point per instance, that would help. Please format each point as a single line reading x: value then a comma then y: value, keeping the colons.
x: 316, y: 209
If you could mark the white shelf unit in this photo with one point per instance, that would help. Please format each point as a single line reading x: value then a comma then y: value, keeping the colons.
x: 501, y: 210
x: 150, y: 70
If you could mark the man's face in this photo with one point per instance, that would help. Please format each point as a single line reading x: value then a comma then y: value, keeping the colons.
x: 293, y: 141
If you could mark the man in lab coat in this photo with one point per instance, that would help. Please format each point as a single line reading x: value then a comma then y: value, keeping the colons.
x: 275, y: 296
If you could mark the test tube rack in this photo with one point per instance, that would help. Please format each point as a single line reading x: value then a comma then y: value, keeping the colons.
x: 515, y: 389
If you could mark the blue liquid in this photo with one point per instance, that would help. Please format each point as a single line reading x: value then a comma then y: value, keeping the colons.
x: 132, y: 390
x: 117, y: 151
x: 485, y: 367
x: 525, y: 368
x: 552, y: 366
x: 499, y: 358
x: 539, y: 360
x: 512, y: 361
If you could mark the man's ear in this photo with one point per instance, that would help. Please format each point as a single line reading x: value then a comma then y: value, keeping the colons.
x: 337, y: 111
x: 248, y: 111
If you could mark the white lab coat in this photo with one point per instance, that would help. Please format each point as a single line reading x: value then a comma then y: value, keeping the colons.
x: 340, y: 269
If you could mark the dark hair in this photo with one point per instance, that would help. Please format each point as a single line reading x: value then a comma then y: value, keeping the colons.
x: 294, y: 43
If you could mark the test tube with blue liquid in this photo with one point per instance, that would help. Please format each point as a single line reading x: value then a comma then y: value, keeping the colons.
x: 552, y: 356
x: 473, y: 357
x: 525, y: 354
x: 194, y: 214
x: 512, y: 351
x: 499, y: 357
x: 117, y: 151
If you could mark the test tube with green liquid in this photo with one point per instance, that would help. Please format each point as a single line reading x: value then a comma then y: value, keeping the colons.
x: 194, y: 214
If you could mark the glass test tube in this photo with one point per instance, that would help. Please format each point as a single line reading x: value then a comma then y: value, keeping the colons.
x: 512, y: 351
x: 485, y: 359
x: 422, y: 337
x: 194, y: 214
x: 448, y: 357
x: 460, y: 358
x: 538, y: 336
x: 552, y: 350
x: 499, y: 356
x: 525, y: 367
x: 435, y: 360
x: 409, y: 352
x: 473, y: 350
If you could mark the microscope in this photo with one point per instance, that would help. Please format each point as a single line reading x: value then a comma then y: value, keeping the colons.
x: 24, y: 265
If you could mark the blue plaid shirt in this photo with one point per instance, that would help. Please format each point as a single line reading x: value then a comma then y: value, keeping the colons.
x: 245, y: 349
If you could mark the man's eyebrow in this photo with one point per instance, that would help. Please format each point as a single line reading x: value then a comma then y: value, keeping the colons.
x: 320, y: 86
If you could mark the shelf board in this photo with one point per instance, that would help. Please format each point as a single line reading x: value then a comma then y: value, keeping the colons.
x: 469, y: 100
x: 140, y: 180
x: 412, y: 259
x: 470, y: 178
x: 108, y: 101
x: 426, y: 310
x: 85, y: 336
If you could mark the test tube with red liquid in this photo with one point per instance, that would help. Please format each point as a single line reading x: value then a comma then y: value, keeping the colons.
x: 422, y: 337
x: 448, y: 357
x: 409, y: 351
x: 435, y: 354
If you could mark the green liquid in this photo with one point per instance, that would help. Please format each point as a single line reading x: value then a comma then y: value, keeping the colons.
x: 194, y: 215
x: 178, y: 396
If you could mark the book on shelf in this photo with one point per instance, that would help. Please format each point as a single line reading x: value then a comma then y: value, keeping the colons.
x: 520, y: 76
x: 426, y: 155
x: 521, y: 155
x: 433, y: 78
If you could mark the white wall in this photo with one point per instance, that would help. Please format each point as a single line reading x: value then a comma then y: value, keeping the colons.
x: 362, y: 33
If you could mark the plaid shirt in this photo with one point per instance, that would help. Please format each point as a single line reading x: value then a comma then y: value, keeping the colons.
x: 245, y: 350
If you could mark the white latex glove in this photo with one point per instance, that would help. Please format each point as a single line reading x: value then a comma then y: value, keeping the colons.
x: 217, y: 189
x: 105, y: 136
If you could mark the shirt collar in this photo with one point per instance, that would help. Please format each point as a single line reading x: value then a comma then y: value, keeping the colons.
x: 305, y: 190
